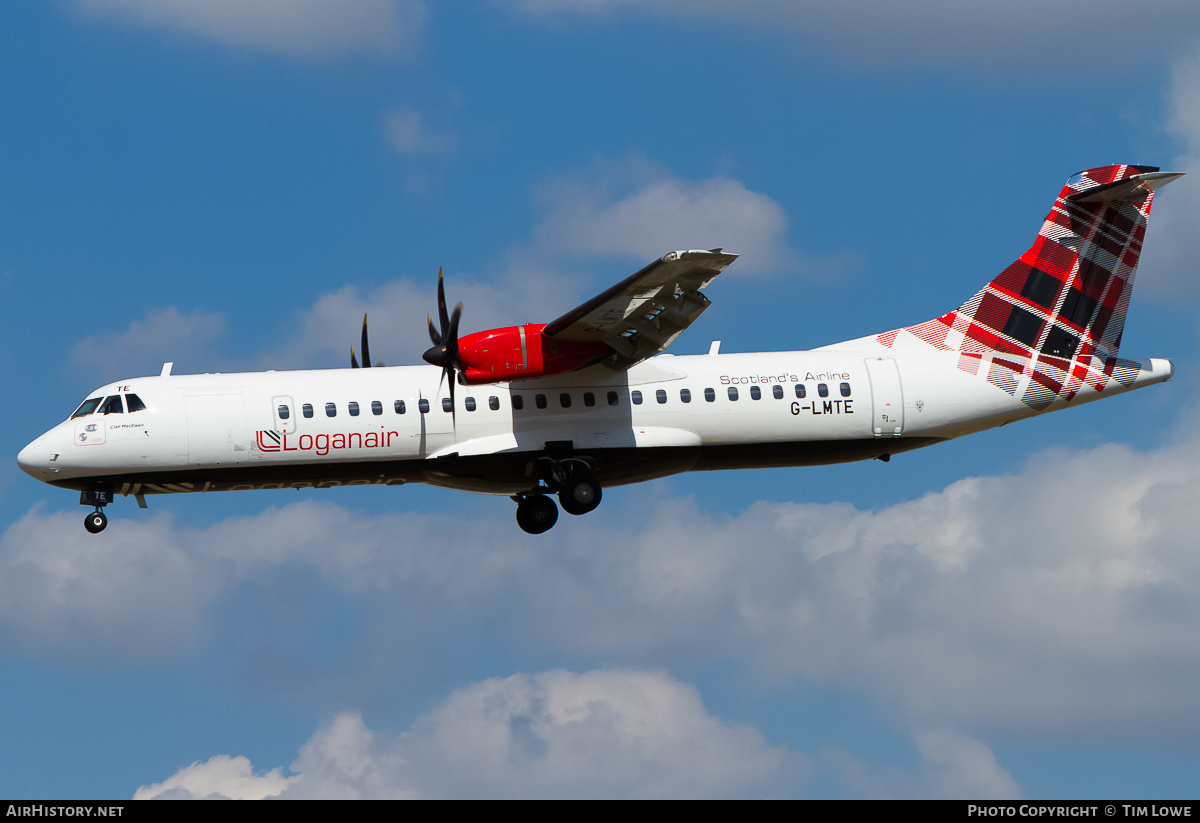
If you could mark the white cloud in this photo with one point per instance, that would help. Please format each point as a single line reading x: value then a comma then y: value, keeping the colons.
x: 164, y: 334
x: 143, y: 587
x: 321, y: 336
x: 604, y: 733
x: 408, y: 134
x: 139, y: 593
x: 398, y: 311
x: 628, y: 207
x: 289, y: 27
x: 633, y: 207
x: 218, y: 778
x: 1168, y: 262
x: 1014, y: 36
x: 952, y: 765
x: 1056, y: 600
x: 623, y: 208
x: 608, y: 733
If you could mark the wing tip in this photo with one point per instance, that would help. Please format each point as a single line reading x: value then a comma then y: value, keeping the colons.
x: 697, y: 254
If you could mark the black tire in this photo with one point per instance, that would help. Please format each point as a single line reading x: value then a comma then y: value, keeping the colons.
x: 537, y: 514
x: 95, y: 522
x: 580, y: 495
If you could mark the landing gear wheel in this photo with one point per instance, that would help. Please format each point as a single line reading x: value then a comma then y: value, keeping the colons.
x: 537, y: 514
x: 95, y: 522
x: 580, y: 495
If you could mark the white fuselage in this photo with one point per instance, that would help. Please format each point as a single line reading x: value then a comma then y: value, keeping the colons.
x: 390, y: 425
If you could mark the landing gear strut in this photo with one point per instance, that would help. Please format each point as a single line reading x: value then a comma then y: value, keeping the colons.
x: 96, y: 521
x: 577, y: 488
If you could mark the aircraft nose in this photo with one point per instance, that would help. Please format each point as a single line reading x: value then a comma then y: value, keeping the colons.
x: 35, y: 459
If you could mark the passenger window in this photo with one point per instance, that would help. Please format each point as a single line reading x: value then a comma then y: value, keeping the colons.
x: 518, y: 402
x: 423, y: 405
x: 307, y: 410
x: 353, y: 408
x: 636, y: 396
x: 589, y: 399
x: 800, y: 392
x: 539, y: 400
x: 755, y: 393
x: 823, y: 389
x: 710, y: 395
x: 331, y: 409
x: 376, y: 407
x: 398, y: 406
x: 284, y: 411
x: 112, y: 405
x: 564, y: 400
x: 469, y: 403
x: 685, y: 395
x: 494, y: 403
x: 447, y: 406
x: 613, y: 398
x: 87, y: 407
x: 733, y: 392
x: 134, y: 403
x: 845, y: 389
x: 777, y: 391
x: 661, y: 396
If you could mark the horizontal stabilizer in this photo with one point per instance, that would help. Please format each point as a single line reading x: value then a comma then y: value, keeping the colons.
x: 1130, y: 190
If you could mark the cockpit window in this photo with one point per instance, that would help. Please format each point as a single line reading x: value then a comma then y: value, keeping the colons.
x: 112, y: 405
x: 87, y: 407
x: 134, y: 403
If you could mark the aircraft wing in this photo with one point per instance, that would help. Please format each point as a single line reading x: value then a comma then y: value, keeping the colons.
x: 643, y: 314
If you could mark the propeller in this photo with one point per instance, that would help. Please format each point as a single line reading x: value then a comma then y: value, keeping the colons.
x: 444, y: 351
x: 366, y: 350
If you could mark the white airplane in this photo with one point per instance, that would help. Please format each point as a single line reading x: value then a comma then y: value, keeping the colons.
x: 582, y: 403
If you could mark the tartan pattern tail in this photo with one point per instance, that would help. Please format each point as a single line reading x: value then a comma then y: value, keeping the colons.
x: 1052, y: 320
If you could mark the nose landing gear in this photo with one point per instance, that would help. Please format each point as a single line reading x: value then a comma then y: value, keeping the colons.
x: 96, y: 521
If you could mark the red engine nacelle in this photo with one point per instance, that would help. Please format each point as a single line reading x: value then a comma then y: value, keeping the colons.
x: 521, y: 352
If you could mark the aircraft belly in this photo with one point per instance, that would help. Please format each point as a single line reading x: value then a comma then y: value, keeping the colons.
x: 797, y: 454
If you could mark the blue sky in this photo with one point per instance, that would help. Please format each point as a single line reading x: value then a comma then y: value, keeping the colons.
x: 230, y: 185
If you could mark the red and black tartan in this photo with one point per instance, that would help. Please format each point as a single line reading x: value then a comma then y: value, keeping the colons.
x: 1053, y: 319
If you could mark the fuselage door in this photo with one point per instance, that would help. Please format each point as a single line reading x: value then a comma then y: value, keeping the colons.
x: 887, y: 397
x: 216, y: 426
x: 284, y: 410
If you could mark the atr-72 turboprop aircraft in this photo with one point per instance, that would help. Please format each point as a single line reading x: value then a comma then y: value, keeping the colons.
x: 581, y: 403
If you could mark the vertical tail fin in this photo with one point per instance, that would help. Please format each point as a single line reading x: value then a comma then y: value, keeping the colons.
x: 1053, y: 319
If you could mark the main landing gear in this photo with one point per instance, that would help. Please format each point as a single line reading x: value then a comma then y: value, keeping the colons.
x: 96, y: 521
x: 577, y: 488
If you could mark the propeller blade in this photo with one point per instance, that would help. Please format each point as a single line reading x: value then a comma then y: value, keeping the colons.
x: 353, y: 359
x: 445, y: 321
x: 444, y: 351
x: 365, y: 349
x: 452, y: 336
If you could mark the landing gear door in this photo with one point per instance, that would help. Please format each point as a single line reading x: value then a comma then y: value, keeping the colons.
x: 283, y: 410
x: 887, y: 397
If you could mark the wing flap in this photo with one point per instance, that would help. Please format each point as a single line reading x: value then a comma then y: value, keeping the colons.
x: 643, y: 314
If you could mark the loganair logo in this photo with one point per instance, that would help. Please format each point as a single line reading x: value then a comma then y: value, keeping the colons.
x: 273, y: 441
